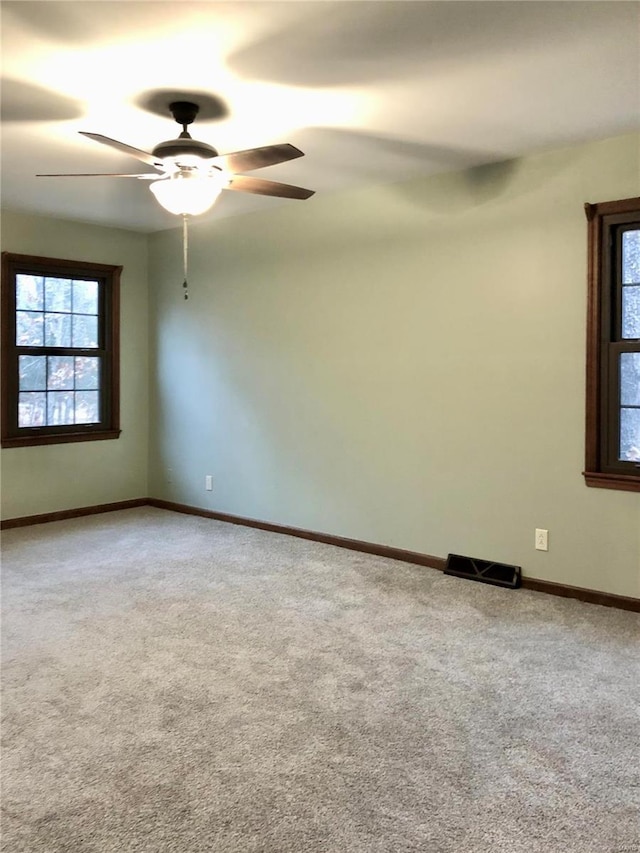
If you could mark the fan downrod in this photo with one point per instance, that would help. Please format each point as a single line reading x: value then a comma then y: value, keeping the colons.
x: 184, y: 112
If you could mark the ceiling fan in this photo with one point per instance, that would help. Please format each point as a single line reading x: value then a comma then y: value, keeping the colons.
x: 190, y: 174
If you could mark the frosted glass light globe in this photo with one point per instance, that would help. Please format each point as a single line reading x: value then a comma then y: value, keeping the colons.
x: 187, y: 193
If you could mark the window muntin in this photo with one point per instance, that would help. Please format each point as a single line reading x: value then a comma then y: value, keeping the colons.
x: 613, y: 346
x: 60, y: 350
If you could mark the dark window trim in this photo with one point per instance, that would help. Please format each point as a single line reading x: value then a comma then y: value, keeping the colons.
x: 109, y: 275
x: 603, y: 342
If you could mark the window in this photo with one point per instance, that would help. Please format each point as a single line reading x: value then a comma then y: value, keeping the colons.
x: 60, y: 367
x: 613, y: 346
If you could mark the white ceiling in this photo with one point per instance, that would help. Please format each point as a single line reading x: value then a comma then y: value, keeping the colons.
x: 372, y: 92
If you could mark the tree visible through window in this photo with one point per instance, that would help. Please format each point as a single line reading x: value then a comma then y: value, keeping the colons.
x: 613, y: 346
x: 60, y: 350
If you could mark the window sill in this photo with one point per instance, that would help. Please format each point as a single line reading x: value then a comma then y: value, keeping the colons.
x: 624, y: 482
x: 60, y: 438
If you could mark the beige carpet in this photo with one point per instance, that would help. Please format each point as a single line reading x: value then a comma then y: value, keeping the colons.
x: 178, y: 684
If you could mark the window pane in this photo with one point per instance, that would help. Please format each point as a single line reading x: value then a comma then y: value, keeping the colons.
x: 32, y: 371
x: 87, y: 407
x: 60, y: 408
x: 85, y: 331
x: 85, y: 297
x: 630, y: 435
x: 631, y: 312
x: 29, y: 292
x: 32, y: 409
x: 57, y: 294
x: 57, y: 330
x: 60, y: 372
x: 630, y: 379
x: 28, y: 329
x: 631, y: 257
x: 87, y: 374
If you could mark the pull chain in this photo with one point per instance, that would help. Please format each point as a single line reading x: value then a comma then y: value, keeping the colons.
x: 185, y: 249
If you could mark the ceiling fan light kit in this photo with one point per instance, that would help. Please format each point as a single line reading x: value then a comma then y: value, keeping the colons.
x: 191, y: 174
x: 187, y: 158
x: 189, y: 193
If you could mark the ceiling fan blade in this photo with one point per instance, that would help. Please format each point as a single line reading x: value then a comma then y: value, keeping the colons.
x: 149, y: 176
x: 257, y: 185
x: 144, y: 156
x: 257, y: 158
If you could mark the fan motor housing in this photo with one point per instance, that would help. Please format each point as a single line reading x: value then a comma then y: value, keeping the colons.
x: 180, y: 146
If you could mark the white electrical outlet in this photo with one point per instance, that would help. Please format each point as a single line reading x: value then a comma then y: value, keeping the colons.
x: 542, y: 539
x: 208, y: 483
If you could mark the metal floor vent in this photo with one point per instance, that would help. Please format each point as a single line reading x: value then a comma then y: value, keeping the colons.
x: 498, y: 574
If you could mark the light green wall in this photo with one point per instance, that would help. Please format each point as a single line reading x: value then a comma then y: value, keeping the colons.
x: 66, y: 476
x: 402, y: 364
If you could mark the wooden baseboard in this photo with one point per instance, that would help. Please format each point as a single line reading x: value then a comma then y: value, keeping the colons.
x: 591, y: 596
x: 63, y: 514
x: 300, y: 533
